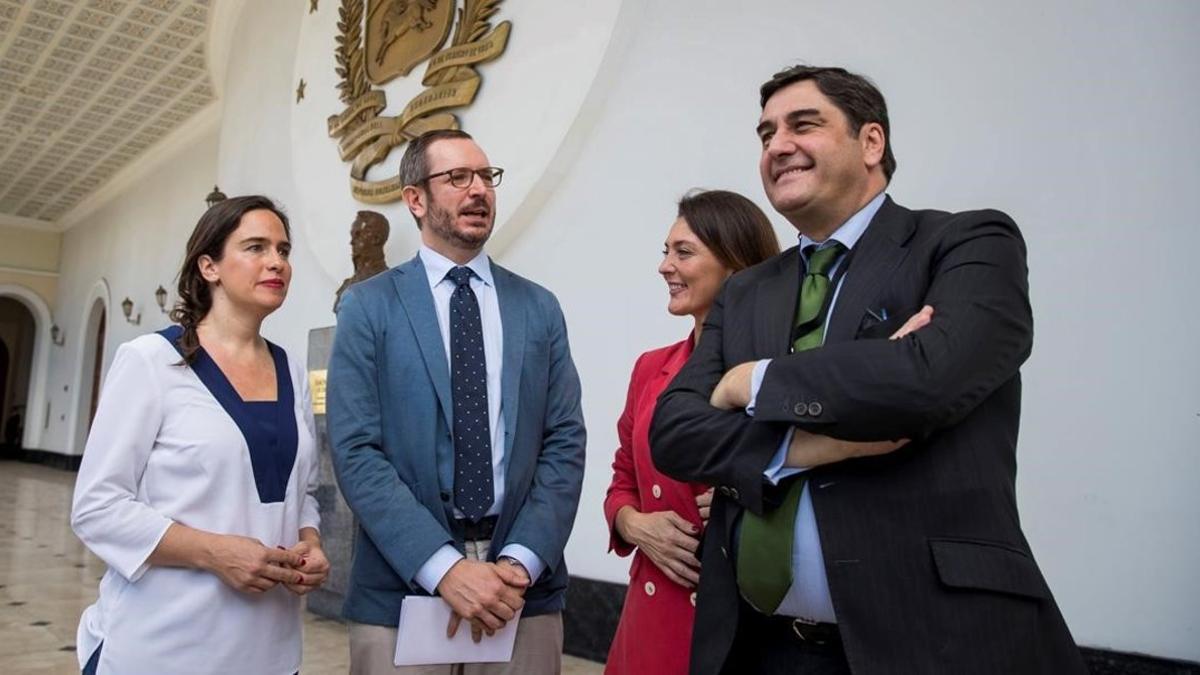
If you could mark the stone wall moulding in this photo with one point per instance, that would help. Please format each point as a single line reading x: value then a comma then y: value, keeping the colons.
x: 101, y: 293
x: 515, y: 75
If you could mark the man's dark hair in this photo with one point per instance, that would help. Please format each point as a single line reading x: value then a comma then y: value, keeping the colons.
x: 414, y: 166
x: 856, y: 96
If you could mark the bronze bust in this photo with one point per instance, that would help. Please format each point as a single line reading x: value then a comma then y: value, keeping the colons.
x: 368, y: 234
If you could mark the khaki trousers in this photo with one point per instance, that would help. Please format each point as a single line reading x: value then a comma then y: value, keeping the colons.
x: 538, y: 648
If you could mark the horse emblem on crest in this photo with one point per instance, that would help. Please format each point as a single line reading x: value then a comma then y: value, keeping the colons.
x: 400, y: 35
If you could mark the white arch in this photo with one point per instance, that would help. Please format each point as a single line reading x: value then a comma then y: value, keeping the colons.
x: 35, y: 399
x: 222, y: 25
x: 99, y: 292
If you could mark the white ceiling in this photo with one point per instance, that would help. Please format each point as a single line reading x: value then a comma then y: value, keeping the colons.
x: 86, y: 87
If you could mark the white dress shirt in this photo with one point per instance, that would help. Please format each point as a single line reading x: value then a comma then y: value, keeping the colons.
x: 808, y: 597
x: 483, y: 284
x: 163, y: 450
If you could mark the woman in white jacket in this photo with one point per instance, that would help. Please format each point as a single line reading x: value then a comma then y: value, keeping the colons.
x: 197, y: 481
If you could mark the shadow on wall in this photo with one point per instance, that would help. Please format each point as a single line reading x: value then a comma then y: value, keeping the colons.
x: 91, y: 368
x: 17, y: 333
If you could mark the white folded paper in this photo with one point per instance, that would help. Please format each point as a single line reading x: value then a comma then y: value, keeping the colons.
x: 421, y: 637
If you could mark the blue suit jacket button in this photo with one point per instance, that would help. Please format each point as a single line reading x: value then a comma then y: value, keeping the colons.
x: 800, y: 409
x: 814, y: 409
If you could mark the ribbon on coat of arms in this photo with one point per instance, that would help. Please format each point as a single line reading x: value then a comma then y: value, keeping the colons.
x: 401, y: 34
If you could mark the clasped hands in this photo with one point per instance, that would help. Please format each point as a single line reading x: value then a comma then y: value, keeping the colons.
x: 247, y: 565
x: 808, y: 449
x: 668, y: 539
x: 312, y: 569
x: 488, y: 595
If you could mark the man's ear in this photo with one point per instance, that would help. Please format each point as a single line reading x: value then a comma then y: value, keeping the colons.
x: 208, y: 269
x: 416, y: 199
x: 873, y: 141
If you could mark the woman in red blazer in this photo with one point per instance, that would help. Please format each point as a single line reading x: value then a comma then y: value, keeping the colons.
x: 716, y: 234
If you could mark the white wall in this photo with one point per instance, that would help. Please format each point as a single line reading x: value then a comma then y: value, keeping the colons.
x: 135, y: 243
x: 1075, y: 117
x: 256, y: 155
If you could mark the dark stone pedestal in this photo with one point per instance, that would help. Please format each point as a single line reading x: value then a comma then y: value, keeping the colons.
x: 337, y: 522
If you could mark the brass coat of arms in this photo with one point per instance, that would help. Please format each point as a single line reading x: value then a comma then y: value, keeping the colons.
x: 400, y: 35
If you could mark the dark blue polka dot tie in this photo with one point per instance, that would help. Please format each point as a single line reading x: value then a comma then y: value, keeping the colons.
x: 473, y: 493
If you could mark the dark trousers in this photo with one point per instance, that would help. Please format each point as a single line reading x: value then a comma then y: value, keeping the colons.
x: 768, y: 645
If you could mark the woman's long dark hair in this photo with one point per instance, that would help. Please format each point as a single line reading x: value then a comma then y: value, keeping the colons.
x: 731, y: 226
x: 208, y: 239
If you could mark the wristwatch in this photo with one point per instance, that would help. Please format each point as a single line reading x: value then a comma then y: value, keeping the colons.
x: 512, y: 561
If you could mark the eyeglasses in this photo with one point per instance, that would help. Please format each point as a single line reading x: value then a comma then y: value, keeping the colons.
x: 462, y: 177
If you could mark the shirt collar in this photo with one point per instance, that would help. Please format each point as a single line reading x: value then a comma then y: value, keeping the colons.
x: 438, y: 265
x: 849, y: 232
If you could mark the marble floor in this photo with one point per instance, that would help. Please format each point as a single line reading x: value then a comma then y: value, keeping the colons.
x: 47, y: 577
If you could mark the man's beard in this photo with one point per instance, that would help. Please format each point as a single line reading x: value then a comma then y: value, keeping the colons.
x: 441, y: 222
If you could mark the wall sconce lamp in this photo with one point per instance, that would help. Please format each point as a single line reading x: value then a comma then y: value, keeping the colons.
x: 127, y: 308
x: 160, y: 296
x: 214, y: 197
x: 57, y: 336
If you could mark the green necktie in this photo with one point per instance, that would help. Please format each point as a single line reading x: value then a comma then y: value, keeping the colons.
x: 764, y: 561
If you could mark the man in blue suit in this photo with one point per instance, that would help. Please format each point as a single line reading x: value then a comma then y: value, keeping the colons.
x: 454, y: 416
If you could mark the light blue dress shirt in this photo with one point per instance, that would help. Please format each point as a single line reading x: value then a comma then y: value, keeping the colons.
x: 482, y: 283
x: 808, y: 597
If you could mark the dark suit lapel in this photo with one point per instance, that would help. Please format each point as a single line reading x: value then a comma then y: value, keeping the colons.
x: 876, y: 257
x: 412, y: 285
x: 512, y: 317
x: 775, y: 301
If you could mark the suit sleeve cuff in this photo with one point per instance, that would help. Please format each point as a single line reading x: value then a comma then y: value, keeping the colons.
x: 775, y: 470
x: 431, y: 573
x: 756, y: 380
x: 528, y: 559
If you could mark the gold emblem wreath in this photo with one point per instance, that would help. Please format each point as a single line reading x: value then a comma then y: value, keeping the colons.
x: 364, y: 137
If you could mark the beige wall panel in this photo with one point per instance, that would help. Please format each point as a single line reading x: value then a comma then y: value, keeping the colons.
x: 46, y: 287
x: 30, y: 249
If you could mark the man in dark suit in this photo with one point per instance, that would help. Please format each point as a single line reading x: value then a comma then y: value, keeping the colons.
x: 900, y: 551
x: 458, y: 440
